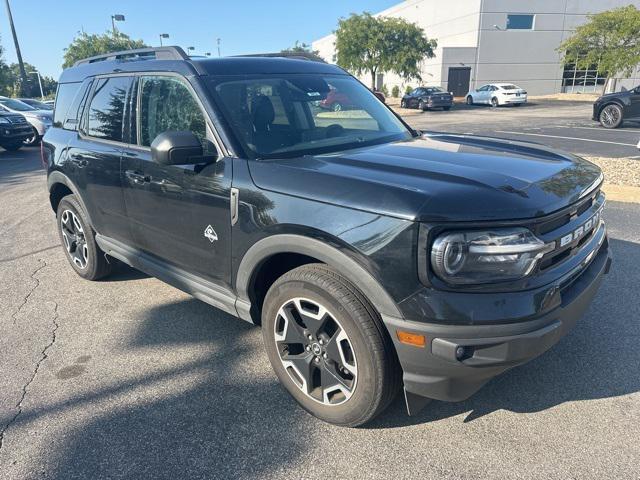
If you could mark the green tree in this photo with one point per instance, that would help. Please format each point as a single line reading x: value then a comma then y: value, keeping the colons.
x: 5, y: 75
x: 609, y: 39
x: 87, y: 45
x: 368, y: 44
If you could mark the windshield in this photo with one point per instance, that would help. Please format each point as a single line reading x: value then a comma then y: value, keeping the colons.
x: 434, y: 90
x: 291, y: 115
x: 509, y: 87
x: 17, y: 105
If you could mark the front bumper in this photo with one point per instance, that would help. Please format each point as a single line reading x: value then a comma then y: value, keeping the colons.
x: 439, y: 370
x: 12, y: 133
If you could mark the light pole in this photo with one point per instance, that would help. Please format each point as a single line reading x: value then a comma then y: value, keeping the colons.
x: 163, y: 35
x: 39, y: 82
x: 218, y: 42
x: 23, y: 73
x: 191, y: 49
x: 116, y: 18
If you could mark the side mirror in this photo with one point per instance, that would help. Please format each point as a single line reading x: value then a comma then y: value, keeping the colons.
x: 176, y: 148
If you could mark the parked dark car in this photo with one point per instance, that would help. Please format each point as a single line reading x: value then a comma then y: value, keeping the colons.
x: 426, y: 98
x: 14, y: 130
x: 614, y: 108
x: 372, y: 256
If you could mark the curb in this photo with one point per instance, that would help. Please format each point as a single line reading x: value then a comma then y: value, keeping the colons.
x: 622, y: 193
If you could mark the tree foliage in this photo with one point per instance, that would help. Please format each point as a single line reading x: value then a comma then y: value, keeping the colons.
x: 368, y: 44
x: 302, y: 48
x: 609, y: 39
x: 87, y: 45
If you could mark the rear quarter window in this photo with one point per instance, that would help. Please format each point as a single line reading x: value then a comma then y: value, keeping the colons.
x: 65, y: 95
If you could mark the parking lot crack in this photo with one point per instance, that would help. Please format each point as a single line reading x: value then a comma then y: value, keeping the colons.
x: 36, y: 280
x: 36, y: 369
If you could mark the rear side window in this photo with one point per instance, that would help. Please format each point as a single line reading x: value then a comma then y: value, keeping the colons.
x: 65, y: 95
x: 106, y: 110
x: 71, y: 120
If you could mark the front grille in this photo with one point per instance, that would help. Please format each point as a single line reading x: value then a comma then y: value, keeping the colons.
x: 16, y: 119
x: 571, y: 230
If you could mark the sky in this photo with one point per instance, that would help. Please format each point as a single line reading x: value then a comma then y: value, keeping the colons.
x: 45, y: 28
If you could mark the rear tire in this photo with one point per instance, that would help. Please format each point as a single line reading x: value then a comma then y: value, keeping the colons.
x: 611, y: 116
x: 446, y: 109
x: 365, y: 369
x: 423, y: 106
x: 78, y: 240
x: 494, y: 102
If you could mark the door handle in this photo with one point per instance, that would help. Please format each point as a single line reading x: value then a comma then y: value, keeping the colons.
x: 167, y: 186
x: 137, y: 177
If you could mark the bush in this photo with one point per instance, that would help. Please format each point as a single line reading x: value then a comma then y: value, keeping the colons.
x: 408, y: 90
x: 395, y: 91
x: 385, y: 90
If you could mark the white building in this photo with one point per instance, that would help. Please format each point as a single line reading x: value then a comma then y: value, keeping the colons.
x: 483, y: 41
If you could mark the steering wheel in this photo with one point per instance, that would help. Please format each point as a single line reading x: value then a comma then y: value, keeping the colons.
x: 334, y: 130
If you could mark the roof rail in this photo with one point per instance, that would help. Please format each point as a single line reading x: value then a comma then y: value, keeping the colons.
x: 152, y: 53
x: 294, y: 55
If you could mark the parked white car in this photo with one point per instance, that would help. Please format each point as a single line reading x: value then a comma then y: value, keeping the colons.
x: 497, y: 94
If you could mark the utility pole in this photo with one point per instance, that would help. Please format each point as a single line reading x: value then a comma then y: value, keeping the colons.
x: 39, y: 82
x: 218, y: 42
x: 23, y: 72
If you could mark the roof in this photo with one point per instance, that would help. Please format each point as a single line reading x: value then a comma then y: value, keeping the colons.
x: 174, y: 59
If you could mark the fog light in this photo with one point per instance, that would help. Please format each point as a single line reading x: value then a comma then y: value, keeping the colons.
x: 461, y: 352
x: 413, y: 339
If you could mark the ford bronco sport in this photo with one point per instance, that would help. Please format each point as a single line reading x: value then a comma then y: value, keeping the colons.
x: 375, y: 258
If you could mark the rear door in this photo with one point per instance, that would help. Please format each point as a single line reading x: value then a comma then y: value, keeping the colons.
x: 93, y: 156
x: 180, y: 214
x: 634, y: 107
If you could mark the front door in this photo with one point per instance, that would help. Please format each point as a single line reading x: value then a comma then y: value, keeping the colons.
x: 180, y: 214
x: 458, y: 82
x: 634, y: 108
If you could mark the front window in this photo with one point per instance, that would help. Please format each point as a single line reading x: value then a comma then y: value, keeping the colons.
x: 15, y: 105
x: 293, y: 115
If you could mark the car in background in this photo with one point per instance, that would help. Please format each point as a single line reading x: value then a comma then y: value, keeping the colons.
x: 40, y: 120
x: 496, y: 94
x: 51, y: 103
x: 37, y: 104
x: 336, y: 101
x: 14, y: 130
x: 614, y: 108
x: 426, y: 98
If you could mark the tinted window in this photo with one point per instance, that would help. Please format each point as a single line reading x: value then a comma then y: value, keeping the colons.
x: 69, y: 108
x: 105, y: 119
x: 434, y: 90
x: 520, y: 22
x: 65, y: 95
x: 166, y: 104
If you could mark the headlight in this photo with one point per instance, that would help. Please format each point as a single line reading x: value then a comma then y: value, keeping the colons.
x: 44, y: 118
x: 488, y: 256
x: 4, y: 121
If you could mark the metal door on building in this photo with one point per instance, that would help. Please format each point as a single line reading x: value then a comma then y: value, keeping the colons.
x: 458, y: 82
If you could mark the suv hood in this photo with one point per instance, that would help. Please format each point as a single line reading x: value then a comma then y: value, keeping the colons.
x: 437, y: 178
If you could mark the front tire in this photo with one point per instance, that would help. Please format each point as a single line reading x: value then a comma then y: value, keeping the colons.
x: 469, y: 100
x: 78, y: 240
x: 33, y: 139
x: 423, y: 106
x: 611, y: 116
x: 336, y: 107
x: 328, y: 347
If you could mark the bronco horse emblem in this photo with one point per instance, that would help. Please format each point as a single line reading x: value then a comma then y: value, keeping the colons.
x: 210, y: 233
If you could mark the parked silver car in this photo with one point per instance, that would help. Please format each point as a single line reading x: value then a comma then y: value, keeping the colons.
x: 40, y: 120
x: 32, y: 102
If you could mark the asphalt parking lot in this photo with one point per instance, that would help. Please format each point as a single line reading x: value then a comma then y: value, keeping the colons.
x: 561, y: 124
x: 130, y: 378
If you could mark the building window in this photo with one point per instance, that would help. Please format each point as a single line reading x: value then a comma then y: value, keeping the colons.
x: 584, y: 81
x: 520, y: 22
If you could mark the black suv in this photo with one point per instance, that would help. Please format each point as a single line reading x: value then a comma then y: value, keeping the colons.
x: 373, y: 256
x: 614, y: 108
x: 14, y: 130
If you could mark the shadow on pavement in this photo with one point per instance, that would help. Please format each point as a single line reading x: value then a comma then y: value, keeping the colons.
x: 231, y: 423
x: 16, y: 167
x: 235, y: 421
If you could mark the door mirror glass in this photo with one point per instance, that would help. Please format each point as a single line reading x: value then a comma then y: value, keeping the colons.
x: 177, y: 148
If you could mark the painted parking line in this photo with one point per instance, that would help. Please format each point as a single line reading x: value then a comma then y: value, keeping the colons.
x: 566, y: 138
x: 612, y: 130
